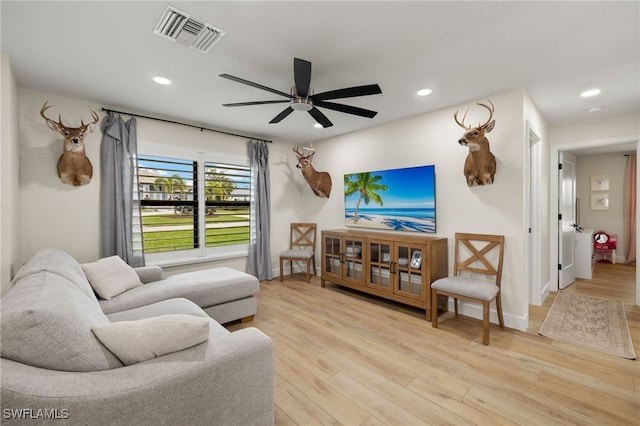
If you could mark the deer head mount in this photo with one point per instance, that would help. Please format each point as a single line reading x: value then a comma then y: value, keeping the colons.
x: 74, y: 167
x: 320, y: 182
x: 480, y: 165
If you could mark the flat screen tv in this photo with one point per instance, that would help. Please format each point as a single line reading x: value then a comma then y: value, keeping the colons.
x: 396, y: 199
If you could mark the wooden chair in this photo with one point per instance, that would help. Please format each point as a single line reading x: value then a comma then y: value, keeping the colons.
x: 302, y: 245
x: 474, y: 254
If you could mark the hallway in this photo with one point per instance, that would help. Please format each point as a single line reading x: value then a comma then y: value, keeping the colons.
x: 609, y: 281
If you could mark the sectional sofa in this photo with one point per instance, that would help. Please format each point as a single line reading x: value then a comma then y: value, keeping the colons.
x: 148, y: 355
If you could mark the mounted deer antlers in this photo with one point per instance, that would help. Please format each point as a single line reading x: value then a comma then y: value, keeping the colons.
x: 320, y: 182
x: 480, y: 165
x: 74, y: 167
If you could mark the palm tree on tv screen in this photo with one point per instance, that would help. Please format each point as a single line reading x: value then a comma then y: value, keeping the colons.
x: 367, y: 186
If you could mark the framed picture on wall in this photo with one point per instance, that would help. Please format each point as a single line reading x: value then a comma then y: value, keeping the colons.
x: 599, y: 201
x: 599, y: 182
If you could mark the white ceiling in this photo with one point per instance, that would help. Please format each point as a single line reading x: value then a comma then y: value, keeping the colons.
x: 106, y: 52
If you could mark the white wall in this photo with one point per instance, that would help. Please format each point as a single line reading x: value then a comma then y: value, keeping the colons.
x: 66, y: 217
x: 59, y: 215
x: 55, y: 214
x: 432, y: 138
x: 595, y: 128
x: 9, y: 176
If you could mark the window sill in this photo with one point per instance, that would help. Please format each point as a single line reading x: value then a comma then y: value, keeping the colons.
x: 195, y: 260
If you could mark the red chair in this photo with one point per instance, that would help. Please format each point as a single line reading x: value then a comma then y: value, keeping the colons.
x: 604, y: 247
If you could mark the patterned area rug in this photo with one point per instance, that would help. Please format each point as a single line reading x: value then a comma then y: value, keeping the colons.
x: 594, y: 322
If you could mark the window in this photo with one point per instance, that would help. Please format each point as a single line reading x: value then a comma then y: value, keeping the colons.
x: 227, y: 208
x: 194, y: 205
x: 169, y: 200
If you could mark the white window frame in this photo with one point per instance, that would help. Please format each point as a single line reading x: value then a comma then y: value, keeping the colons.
x: 203, y: 253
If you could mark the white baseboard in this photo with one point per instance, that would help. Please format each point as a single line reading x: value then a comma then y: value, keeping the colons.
x: 474, y: 310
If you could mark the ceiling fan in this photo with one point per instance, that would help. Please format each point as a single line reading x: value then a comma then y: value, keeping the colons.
x: 302, y: 97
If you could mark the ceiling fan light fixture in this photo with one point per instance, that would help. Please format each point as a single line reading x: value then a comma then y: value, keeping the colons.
x: 301, y: 104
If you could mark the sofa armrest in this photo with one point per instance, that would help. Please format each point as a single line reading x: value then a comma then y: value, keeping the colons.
x: 149, y: 274
x: 224, y: 381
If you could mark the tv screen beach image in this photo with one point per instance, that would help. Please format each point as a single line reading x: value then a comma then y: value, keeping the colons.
x: 396, y: 199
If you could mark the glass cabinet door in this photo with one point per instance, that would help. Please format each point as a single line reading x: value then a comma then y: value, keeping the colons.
x: 353, y: 252
x: 380, y: 264
x: 331, y: 253
x: 410, y: 271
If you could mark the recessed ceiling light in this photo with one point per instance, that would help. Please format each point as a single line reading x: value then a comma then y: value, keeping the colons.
x: 424, y: 92
x: 161, y: 80
x: 589, y: 93
x: 594, y: 109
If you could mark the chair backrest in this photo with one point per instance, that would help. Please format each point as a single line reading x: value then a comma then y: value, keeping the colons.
x: 303, y: 236
x: 479, y: 253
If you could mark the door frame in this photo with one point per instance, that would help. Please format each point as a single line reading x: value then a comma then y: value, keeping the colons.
x: 533, y: 213
x: 553, y: 198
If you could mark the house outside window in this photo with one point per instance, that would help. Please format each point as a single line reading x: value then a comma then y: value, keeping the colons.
x: 195, y: 205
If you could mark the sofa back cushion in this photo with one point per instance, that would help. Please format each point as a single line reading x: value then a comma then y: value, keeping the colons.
x: 47, y: 318
x: 60, y: 263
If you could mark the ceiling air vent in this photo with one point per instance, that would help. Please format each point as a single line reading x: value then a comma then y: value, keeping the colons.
x: 179, y: 26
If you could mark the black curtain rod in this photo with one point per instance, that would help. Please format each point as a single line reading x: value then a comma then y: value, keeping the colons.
x: 184, y: 124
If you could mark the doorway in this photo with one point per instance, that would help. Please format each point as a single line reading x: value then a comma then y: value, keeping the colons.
x: 567, y: 220
x: 597, y: 146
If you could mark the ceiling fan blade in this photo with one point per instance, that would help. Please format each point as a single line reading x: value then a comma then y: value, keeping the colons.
x: 255, y: 103
x: 349, y: 92
x: 320, y: 117
x: 302, y: 76
x: 347, y: 109
x: 256, y: 85
x: 278, y: 118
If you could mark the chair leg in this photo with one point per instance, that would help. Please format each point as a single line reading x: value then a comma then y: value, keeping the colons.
x: 485, y: 322
x: 313, y: 259
x: 499, y: 309
x: 308, y: 270
x: 455, y: 305
x: 434, y: 308
x: 281, y: 267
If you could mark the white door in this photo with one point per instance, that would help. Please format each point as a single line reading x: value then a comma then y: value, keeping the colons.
x: 567, y: 218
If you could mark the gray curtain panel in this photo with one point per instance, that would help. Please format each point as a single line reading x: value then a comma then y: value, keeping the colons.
x: 259, y: 262
x: 120, y: 227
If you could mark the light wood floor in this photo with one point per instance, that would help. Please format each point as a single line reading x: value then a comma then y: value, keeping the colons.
x: 341, y: 357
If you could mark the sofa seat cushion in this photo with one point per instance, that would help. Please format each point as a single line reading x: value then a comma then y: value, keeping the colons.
x: 141, y: 340
x: 46, y: 322
x: 205, y: 288
x: 165, y: 307
x: 169, y: 307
